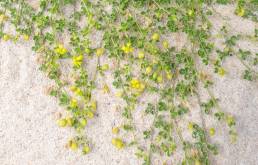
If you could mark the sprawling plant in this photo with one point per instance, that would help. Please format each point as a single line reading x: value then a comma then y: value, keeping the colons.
x: 156, y: 78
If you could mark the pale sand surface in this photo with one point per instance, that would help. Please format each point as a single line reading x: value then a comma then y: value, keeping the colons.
x: 29, y: 134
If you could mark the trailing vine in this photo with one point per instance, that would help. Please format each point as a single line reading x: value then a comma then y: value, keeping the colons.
x: 146, y: 63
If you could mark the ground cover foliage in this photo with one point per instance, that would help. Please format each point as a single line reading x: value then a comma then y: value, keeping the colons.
x: 147, y: 62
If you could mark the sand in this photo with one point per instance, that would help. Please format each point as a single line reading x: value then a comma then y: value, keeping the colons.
x: 29, y: 134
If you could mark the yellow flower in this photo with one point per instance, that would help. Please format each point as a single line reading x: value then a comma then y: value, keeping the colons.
x: 73, y: 103
x: 62, y: 122
x: 106, y: 89
x: 118, y: 143
x: 148, y: 70
x: 73, y: 145
x: 90, y: 114
x: 73, y: 88
x: 115, y: 130
x: 190, y: 126
x: 240, y: 12
x: 70, y: 121
x: 221, y: 72
x: 212, y: 131
x: 141, y: 55
x: 26, y: 37
x: 159, y: 79
x: 230, y: 120
x: 94, y: 105
x: 127, y: 48
x: 60, y: 49
x: 119, y: 94
x: 100, y: 51
x: 165, y: 44
x: 77, y: 60
x: 105, y: 67
x: 6, y: 37
x: 169, y: 75
x: 135, y: 83
x: 83, y: 122
x: 155, y: 37
x: 78, y: 92
x: 85, y: 149
x: 3, y: 18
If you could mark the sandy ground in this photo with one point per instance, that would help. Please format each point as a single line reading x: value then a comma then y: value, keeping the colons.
x: 30, y: 136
